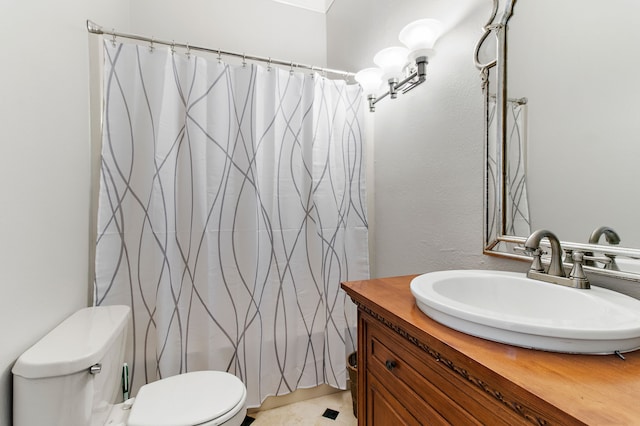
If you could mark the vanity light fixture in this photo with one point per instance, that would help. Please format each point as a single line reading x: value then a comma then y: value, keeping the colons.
x: 402, y: 68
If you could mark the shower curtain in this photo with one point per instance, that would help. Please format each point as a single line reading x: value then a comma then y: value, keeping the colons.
x: 232, y: 205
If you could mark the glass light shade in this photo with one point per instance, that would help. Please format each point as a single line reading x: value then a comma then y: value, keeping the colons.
x: 420, y: 36
x: 370, y: 79
x: 392, y: 60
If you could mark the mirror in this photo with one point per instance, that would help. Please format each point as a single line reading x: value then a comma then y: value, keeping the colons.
x: 562, y: 124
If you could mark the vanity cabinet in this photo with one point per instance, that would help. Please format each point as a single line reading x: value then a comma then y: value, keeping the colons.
x: 414, y: 371
x: 405, y: 385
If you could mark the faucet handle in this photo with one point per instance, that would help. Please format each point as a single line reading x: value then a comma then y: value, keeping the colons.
x: 611, y: 265
x: 568, y: 255
x: 609, y: 261
x: 536, y: 265
x: 536, y: 253
x: 606, y: 259
x: 577, y: 274
x: 530, y: 252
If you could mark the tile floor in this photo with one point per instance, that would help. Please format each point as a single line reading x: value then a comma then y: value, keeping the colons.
x: 309, y: 412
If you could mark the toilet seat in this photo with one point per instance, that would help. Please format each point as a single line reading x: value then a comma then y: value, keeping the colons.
x: 188, y: 399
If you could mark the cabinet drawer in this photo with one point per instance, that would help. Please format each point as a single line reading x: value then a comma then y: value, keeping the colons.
x: 423, y: 381
x: 428, y: 403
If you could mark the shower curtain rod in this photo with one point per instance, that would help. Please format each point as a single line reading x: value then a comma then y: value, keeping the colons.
x: 94, y: 28
x: 519, y: 101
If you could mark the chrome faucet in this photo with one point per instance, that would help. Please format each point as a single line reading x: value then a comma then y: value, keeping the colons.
x: 532, y: 245
x: 555, y: 274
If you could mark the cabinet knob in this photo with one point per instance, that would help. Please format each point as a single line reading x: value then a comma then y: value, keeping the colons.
x: 390, y: 365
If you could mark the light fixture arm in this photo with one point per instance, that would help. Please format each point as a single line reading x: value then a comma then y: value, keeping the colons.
x: 414, y: 79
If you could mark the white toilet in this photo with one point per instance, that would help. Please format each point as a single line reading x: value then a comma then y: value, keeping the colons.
x: 73, y: 377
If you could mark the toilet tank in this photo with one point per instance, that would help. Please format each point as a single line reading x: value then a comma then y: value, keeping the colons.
x: 52, y: 384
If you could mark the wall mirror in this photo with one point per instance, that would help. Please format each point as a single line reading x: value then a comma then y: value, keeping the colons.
x: 560, y: 81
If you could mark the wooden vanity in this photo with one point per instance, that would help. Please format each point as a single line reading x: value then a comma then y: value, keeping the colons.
x: 412, y: 370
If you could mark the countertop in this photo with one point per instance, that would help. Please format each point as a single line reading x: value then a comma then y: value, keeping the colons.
x: 593, y: 389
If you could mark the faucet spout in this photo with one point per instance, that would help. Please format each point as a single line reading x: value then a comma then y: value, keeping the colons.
x: 533, y: 243
x: 610, y: 235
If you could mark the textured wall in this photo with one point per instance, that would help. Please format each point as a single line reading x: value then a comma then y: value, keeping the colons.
x: 428, y: 159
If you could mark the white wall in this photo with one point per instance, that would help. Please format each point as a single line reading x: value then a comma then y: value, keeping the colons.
x: 428, y: 143
x: 45, y: 148
x: 255, y: 27
x: 44, y: 168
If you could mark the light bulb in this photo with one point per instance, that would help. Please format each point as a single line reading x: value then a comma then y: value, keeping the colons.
x: 370, y: 79
x: 420, y: 36
x: 392, y: 61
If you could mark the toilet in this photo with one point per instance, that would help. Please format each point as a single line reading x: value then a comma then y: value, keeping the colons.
x: 73, y: 377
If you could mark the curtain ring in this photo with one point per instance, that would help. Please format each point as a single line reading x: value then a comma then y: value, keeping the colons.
x: 151, y: 47
x: 219, y: 57
x: 113, y: 37
x: 269, y: 65
x: 173, y: 47
x: 244, y: 60
x: 291, y: 68
x: 188, y: 51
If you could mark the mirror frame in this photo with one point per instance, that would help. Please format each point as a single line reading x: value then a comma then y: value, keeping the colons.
x: 497, y: 242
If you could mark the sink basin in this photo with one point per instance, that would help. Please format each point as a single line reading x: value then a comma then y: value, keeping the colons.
x: 510, y: 308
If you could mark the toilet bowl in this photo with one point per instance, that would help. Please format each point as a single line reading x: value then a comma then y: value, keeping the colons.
x: 197, y: 398
x: 72, y: 377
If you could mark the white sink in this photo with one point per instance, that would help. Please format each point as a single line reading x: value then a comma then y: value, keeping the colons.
x: 510, y: 308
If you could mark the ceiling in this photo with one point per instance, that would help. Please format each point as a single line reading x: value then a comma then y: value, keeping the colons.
x: 316, y: 5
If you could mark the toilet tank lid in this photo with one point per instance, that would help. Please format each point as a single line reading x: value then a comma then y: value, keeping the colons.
x: 79, y: 342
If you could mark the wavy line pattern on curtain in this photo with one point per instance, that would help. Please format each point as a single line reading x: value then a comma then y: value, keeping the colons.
x: 232, y: 204
x: 517, y: 206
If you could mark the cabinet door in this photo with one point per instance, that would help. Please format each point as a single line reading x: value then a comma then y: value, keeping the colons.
x: 403, y: 383
x: 391, y: 377
x: 383, y: 409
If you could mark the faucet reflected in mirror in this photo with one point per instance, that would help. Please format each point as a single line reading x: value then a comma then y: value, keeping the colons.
x: 612, y: 238
x: 610, y: 235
